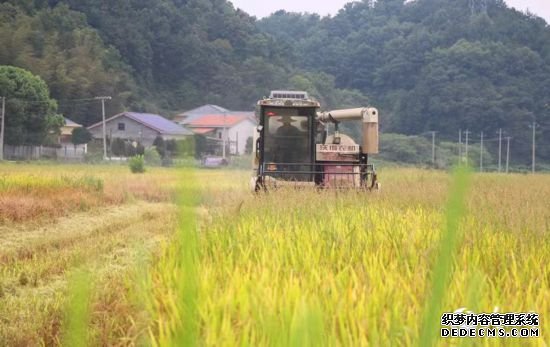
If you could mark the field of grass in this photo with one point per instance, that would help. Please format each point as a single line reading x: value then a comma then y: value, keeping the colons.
x: 179, y: 257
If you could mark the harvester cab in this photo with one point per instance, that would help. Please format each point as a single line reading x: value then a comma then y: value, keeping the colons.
x: 293, y: 147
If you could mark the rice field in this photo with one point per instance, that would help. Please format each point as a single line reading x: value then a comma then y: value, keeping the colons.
x: 190, y: 257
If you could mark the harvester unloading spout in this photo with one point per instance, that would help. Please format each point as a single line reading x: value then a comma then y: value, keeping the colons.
x: 369, y: 117
x: 293, y: 147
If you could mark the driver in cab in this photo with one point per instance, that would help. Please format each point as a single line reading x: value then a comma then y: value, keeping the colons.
x: 290, y: 141
x: 287, y: 129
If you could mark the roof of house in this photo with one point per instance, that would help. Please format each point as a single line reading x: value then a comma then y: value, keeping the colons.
x: 218, y: 120
x: 206, y: 109
x: 202, y: 131
x: 70, y: 123
x: 153, y: 121
x: 190, y: 115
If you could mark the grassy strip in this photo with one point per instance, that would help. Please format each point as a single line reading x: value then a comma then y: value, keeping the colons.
x: 173, y: 298
x: 187, y: 333
x: 77, y: 315
x: 443, y: 266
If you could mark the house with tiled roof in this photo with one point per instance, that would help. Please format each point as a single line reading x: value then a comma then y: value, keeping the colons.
x: 66, y: 131
x: 188, y: 116
x: 140, y: 127
x: 239, y: 126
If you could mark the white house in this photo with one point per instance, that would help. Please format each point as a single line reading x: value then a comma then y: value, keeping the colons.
x: 238, y: 125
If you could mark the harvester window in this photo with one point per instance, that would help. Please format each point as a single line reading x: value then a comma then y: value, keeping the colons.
x: 288, y: 136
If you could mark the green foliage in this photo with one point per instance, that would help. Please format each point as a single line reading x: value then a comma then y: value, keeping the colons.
x: 80, y: 136
x: 27, y: 122
x: 249, y: 145
x: 417, y: 150
x: 118, y: 147
x: 160, y: 145
x: 443, y: 266
x: 430, y: 66
x: 58, y: 44
x: 427, y: 66
x: 125, y: 148
x: 201, y: 146
x: 93, y: 157
x: 137, y: 164
x: 185, y: 148
x: 152, y: 156
x: 77, y: 315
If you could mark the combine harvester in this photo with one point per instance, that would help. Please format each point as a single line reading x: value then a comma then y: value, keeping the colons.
x: 293, y: 146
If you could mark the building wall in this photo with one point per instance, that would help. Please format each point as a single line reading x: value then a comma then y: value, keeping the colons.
x: 133, y: 131
x: 236, y: 136
x: 240, y: 133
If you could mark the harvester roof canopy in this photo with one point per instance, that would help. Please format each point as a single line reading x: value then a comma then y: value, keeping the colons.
x: 288, y: 94
x: 289, y: 98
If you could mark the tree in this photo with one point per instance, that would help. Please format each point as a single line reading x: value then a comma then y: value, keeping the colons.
x: 80, y: 136
x: 160, y: 145
x: 30, y: 113
x: 249, y: 145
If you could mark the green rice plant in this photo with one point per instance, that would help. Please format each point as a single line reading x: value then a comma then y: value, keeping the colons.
x: 285, y: 268
x: 443, y: 266
x: 77, y: 314
x: 175, y: 304
x: 352, y: 268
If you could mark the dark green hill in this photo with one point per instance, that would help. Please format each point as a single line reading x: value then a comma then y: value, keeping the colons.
x: 439, y: 65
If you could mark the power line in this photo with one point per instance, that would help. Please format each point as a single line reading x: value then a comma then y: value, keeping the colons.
x: 64, y: 101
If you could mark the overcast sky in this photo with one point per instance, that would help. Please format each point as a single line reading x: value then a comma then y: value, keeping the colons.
x: 262, y: 8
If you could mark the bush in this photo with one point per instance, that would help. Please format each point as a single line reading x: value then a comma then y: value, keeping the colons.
x: 118, y: 147
x: 160, y: 146
x: 93, y: 157
x: 137, y: 164
x: 152, y: 156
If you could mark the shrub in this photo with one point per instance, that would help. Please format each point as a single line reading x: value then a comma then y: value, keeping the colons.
x: 152, y: 156
x: 93, y: 157
x: 118, y: 147
x: 137, y: 164
x: 160, y: 145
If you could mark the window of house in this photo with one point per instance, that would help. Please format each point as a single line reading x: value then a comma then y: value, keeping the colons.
x: 219, y: 135
x: 121, y: 126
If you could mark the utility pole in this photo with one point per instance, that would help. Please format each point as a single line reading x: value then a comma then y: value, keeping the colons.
x: 2, y: 130
x: 433, y: 148
x: 460, y: 145
x: 467, y: 132
x: 103, y: 98
x: 534, y: 126
x: 508, y: 138
x: 481, y: 154
x: 224, y: 134
x: 499, y: 149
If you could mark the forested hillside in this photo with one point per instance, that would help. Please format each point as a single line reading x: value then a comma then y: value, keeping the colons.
x: 432, y: 64
x: 438, y: 65
x: 157, y: 56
